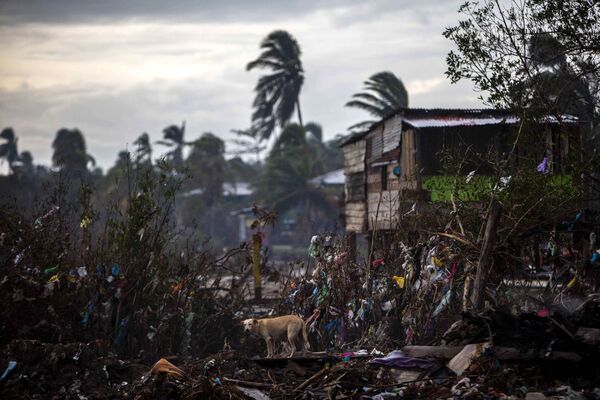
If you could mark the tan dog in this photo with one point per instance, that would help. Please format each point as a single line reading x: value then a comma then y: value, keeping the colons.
x: 272, y: 329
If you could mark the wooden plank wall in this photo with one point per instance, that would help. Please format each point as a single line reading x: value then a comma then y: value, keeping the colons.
x: 387, y: 143
x: 375, y: 144
x: 355, y: 216
x: 408, y: 160
x: 355, y: 187
x: 391, y: 134
x: 354, y: 165
x: 354, y: 157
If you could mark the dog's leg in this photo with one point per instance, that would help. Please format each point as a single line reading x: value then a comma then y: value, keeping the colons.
x: 292, y: 341
x: 268, y: 341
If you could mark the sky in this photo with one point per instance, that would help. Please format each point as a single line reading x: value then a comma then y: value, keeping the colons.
x: 117, y: 68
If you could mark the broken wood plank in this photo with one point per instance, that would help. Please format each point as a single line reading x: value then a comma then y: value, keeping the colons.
x: 462, y: 361
x: 502, y: 353
x: 443, y: 352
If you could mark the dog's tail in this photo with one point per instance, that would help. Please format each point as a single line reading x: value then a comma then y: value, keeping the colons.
x: 305, y: 336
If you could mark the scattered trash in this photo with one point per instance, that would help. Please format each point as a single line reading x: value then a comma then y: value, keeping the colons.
x: 397, y: 359
x: 164, y: 366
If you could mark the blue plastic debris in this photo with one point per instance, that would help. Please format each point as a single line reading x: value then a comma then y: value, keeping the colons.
x: 218, y: 381
x: 86, y: 314
x: 122, y: 330
x: 116, y: 270
x: 11, y: 367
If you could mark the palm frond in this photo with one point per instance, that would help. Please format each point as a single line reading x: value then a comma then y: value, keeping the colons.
x: 370, y: 108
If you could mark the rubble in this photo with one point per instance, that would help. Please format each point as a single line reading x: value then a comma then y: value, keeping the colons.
x: 397, y: 328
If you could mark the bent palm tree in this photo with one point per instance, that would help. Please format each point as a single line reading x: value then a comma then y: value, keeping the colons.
x: 384, y: 93
x: 144, y: 149
x: 277, y: 94
x: 174, y: 137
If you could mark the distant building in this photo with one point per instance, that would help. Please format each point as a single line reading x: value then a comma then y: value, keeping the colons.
x: 396, y: 161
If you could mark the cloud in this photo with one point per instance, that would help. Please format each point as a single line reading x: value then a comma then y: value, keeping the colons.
x: 204, y: 11
x: 115, y: 72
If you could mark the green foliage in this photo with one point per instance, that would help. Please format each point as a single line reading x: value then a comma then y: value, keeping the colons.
x: 445, y: 188
x: 542, y: 60
x: 554, y: 189
x: 510, y: 52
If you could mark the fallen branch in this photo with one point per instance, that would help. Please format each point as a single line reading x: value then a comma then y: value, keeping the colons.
x: 250, y: 384
x: 310, y: 380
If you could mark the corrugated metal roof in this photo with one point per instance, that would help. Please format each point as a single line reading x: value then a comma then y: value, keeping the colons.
x: 453, y: 120
x: 457, y: 121
x: 448, y: 117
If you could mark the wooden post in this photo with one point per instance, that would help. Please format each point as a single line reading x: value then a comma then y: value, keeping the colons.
x: 486, y: 257
x: 256, y: 246
x: 351, y: 245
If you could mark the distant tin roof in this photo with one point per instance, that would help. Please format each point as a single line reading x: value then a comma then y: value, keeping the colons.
x: 449, y: 117
x: 331, y: 178
x: 229, y: 189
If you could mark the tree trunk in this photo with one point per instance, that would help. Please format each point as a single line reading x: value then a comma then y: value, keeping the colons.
x: 486, y: 257
x: 299, y: 113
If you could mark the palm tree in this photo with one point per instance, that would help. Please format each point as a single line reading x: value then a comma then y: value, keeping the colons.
x: 8, y: 150
x: 206, y: 163
x: 70, y: 152
x: 384, y: 93
x: 292, y: 136
x: 174, y: 137
x: 278, y: 93
x: 26, y: 163
x: 144, y: 149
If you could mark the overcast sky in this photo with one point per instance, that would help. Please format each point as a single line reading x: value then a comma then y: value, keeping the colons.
x: 115, y: 69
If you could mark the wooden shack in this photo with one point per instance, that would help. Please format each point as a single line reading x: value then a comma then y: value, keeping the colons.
x: 397, y: 160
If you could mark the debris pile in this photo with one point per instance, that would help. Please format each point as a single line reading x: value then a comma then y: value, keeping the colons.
x: 399, y: 324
